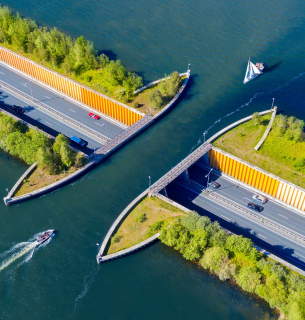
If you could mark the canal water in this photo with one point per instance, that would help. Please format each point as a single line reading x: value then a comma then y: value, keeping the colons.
x: 62, y: 280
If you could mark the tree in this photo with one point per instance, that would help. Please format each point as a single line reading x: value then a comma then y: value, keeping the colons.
x: 59, y: 141
x: 214, y: 258
x: 194, y: 248
x: 67, y: 155
x: 256, y: 118
x: 249, y: 279
x: 280, y: 124
x: 296, y: 306
x: 190, y: 221
x: 156, y: 98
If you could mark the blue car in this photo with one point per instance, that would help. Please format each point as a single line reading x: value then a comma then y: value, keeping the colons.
x: 79, y: 141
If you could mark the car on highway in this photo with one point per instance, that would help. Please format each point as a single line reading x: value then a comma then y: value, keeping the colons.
x: 255, y: 207
x: 214, y: 185
x: 259, y: 198
x: 82, y: 143
x: 17, y: 109
x: 94, y: 116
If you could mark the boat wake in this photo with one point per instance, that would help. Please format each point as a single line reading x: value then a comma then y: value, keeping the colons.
x: 21, y: 250
x: 88, y: 280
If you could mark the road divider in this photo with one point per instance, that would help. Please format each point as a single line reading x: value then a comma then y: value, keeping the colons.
x: 59, y: 116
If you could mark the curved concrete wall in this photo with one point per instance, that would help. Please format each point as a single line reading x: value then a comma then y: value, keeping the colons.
x: 257, y: 178
x: 73, y: 89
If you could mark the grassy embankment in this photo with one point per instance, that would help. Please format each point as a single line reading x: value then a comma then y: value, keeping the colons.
x: 141, y: 223
x: 278, y: 155
x: 146, y: 105
x: 39, y: 178
x: 74, y: 58
x: 56, y: 159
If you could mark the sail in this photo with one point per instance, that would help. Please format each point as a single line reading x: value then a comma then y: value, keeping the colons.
x: 251, y: 72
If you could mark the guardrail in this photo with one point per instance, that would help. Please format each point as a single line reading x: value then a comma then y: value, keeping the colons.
x: 57, y: 113
x: 117, y: 140
x: 254, y: 215
x: 179, y: 168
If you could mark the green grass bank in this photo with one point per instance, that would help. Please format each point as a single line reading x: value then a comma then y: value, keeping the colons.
x: 282, y: 153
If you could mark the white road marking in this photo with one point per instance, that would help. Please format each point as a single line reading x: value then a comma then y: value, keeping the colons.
x: 247, y: 199
x: 72, y: 110
x: 226, y: 218
x: 48, y: 123
x: 2, y: 73
x: 261, y: 236
x: 283, y: 216
x: 24, y: 84
x: 100, y: 124
x: 260, y: 224
x: 47, y: 97
x: 299, y: 255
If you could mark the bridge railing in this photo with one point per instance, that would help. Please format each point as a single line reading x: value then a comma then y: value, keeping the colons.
x: 179, y: 168
x: 113, y: 143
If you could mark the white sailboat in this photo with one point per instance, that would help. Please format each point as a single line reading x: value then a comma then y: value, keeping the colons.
x: 253, y: 70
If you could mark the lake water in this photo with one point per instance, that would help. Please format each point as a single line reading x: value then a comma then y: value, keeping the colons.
x: 62, y: 280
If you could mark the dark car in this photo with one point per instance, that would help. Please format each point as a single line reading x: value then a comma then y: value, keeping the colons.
x: 255, y: 207
x: 17, y: 109
x: 214, y: 185
x: 79, y: 141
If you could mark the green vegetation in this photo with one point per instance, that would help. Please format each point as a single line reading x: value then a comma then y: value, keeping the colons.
x: 153, y: 99
x: 76, y: 58
x: 232, y: 257
x: 144, y: 221
x: 282, y: 153
x: 31, y: 145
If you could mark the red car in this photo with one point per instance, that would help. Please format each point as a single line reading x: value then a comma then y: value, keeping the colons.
x: 94, y: 116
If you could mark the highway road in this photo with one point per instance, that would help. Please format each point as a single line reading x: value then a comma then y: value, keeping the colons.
x: 243, y: 196
x: 43, y: 121
x: 275, y: 242
x: 58, y: 102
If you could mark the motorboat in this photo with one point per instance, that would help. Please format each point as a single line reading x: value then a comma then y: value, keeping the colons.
x: 253, y: 70
x: 45, y: 236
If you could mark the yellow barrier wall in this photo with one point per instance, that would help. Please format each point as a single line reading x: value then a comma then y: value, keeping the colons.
x: 258, y: 179
x: 81, y: 93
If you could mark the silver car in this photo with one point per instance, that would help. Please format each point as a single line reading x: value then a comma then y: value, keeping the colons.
x: 259, y: 198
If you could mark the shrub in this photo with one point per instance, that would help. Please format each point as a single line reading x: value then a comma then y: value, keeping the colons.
x: 136, y: 105
x: 141, y: 218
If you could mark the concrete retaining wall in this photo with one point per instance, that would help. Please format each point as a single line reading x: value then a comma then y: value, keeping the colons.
x: 116, y: 223
x: 267, y: 130
x: 155, y: 82
x: 71, y: 88
x: 104, y: 151
x: 8, y: 200
x: 257, y: 178
x: 263, y: 251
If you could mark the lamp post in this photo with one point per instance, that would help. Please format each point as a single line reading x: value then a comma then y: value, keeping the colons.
x: 208, y: 176
x: 149, y: 181
x: 94, y: 153
x: 204, y: 136
x: 188, y: 67
x: 7, y: 191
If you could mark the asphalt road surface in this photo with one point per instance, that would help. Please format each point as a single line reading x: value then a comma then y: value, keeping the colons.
x: 44, y: 122
x: 275, y: 242
x: 59, y: 103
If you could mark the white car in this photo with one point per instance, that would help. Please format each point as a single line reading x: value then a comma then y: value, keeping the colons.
x: 259, y: 198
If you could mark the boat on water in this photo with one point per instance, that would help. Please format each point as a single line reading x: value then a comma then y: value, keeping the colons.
x: 253, y: 70
x: 45, y: 236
